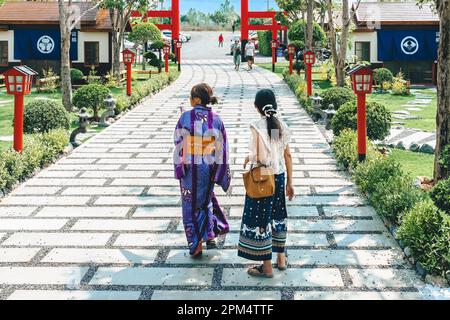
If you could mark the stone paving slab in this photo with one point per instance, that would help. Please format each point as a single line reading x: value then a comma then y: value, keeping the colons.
x: 106, y: 220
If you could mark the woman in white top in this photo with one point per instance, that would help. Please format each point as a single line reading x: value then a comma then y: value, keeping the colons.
x: 264, y: 221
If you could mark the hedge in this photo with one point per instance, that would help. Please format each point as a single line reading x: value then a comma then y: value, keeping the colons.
x: 39, y: 151
x: 264, y: 46
x: 422, y: 226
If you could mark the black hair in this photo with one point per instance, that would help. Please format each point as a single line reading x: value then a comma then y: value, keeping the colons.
x: 266, y: 103
x: 205, y: 93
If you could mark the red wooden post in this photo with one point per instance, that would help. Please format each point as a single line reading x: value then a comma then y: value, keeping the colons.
x: 291, y: 51
x: 362, y: 129
x: 18, y: 122
x: 244, y: 20
x: 128, y: 79
x: 18, y: 81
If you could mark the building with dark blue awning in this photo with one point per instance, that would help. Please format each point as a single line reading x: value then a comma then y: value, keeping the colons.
x: 400, y: 36
x: 30, y: 34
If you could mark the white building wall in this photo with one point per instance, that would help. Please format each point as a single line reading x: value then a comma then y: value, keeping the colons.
x: 101, y: 37
x: 365, y: 37
x: 9, y: 36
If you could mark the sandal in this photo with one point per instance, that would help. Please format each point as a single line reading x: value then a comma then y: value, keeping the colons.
x: 211, y: 244
x: 258, y: 272
x: 198, y: 252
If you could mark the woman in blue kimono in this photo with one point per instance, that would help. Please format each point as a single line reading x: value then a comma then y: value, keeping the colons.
x: 201, y: 161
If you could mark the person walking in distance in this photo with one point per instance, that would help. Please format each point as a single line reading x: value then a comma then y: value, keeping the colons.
x: 236, y: 49
x: 221, y: 40
x: 250, y: 54
x: 264, y: 221
x: 201, y: 161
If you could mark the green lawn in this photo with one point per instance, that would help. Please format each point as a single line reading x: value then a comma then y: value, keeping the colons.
x: 418, y: 164
x: 427, y: 116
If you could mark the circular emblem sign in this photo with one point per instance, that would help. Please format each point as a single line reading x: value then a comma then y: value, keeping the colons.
x: 409, y: 45
x: 45, y: 45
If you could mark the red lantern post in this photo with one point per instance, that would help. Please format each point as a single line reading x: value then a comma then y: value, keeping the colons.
x: 291, y: 51
x: 166, y: 55
x: 274, y: 45
x: 18, y: 82
x: 179, y: 45
x: 310, y: 59
x: 362, y: 79
x: 128, y: 58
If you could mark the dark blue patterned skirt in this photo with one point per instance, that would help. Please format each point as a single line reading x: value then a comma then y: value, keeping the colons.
x: 264, y: 224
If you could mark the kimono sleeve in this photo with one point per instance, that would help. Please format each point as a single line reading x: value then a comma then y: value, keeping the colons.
x: 222, y: 176
x: 178, y: 138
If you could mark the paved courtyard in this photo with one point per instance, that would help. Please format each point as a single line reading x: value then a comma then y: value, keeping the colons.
x: 105, y: 222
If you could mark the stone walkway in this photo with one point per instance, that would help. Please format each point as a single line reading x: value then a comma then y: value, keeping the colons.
x: 104, y: 223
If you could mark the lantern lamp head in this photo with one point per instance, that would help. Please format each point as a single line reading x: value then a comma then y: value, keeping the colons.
x: 291, y: 49
x: 19, y: 80
x: 310, y: 57
x: 179, y: 44
x: 166, y: 49
x: 362, y: 79
x: 128, y: 56
x: 274, y: 43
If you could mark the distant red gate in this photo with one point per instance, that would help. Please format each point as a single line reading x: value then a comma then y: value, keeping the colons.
x: 174, y: 26
x: 246, y: 15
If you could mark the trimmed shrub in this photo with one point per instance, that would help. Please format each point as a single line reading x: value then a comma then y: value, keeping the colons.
x: 370, y: 173
x: 444, y: 159
x: 32, y: 155
x: 76, y: 75
x: 378, y: 120
x: 53, y: 144
x: 297, y: 32
x: 12, y: 168
x: 394, y: 196
x: 264, y: 39
x: 43, y: 115
x: 426, y: 231
x: 122, y: 104
x: 345, y: 148
x: 337, y: 96
x: 440, y: 194
x: 91, y: 96
x: 382, y: 76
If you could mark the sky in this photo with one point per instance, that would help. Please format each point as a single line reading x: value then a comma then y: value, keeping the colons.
x: 212, y: 5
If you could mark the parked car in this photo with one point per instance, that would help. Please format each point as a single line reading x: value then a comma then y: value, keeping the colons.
x: 168, y: 35
x: 187, y: 35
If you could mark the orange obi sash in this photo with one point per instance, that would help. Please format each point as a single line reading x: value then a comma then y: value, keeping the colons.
x: 198, y: 145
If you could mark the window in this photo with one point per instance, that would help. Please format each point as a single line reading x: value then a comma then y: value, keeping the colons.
x: 3, y: 53
x: 91, y: 54
x: 362, y: 50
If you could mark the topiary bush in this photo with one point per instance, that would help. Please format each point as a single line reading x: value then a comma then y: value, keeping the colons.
x: 382, y: 76
x: 337, y: 96
x: 440, y: 194
x: 91, y: 96
x: 76, y: 75
x: 391, y: 198
x: 378, y: 120
x: 264, y: 39
x: 426, y: 231
x: 297, y: 32
x: 42, y: 115
x: 345, y: 149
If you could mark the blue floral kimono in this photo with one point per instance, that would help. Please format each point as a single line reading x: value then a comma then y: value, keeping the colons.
x: 201, y: 161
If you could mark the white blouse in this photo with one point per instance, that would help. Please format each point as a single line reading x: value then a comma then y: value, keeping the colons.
x: 274, y: 147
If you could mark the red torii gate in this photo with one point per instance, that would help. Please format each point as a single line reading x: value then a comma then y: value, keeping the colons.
x: 246, y: 15
x: 174, y: 26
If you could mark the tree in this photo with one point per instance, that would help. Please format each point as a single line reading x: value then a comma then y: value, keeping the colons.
x: 443, y: 85
x: 225, y: 14
x: 69, y: 17
x: 120, y: 14
x: 309, y: 24
x: 297, y: 32
x: 340, y: 53
x: 143, y: 33
x: 294, y: 9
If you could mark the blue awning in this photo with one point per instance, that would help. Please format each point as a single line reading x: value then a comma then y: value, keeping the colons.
x: 407, y: 45
x: 35, y: 44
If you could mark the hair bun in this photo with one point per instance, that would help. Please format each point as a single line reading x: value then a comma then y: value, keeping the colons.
x: 214, y: 100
